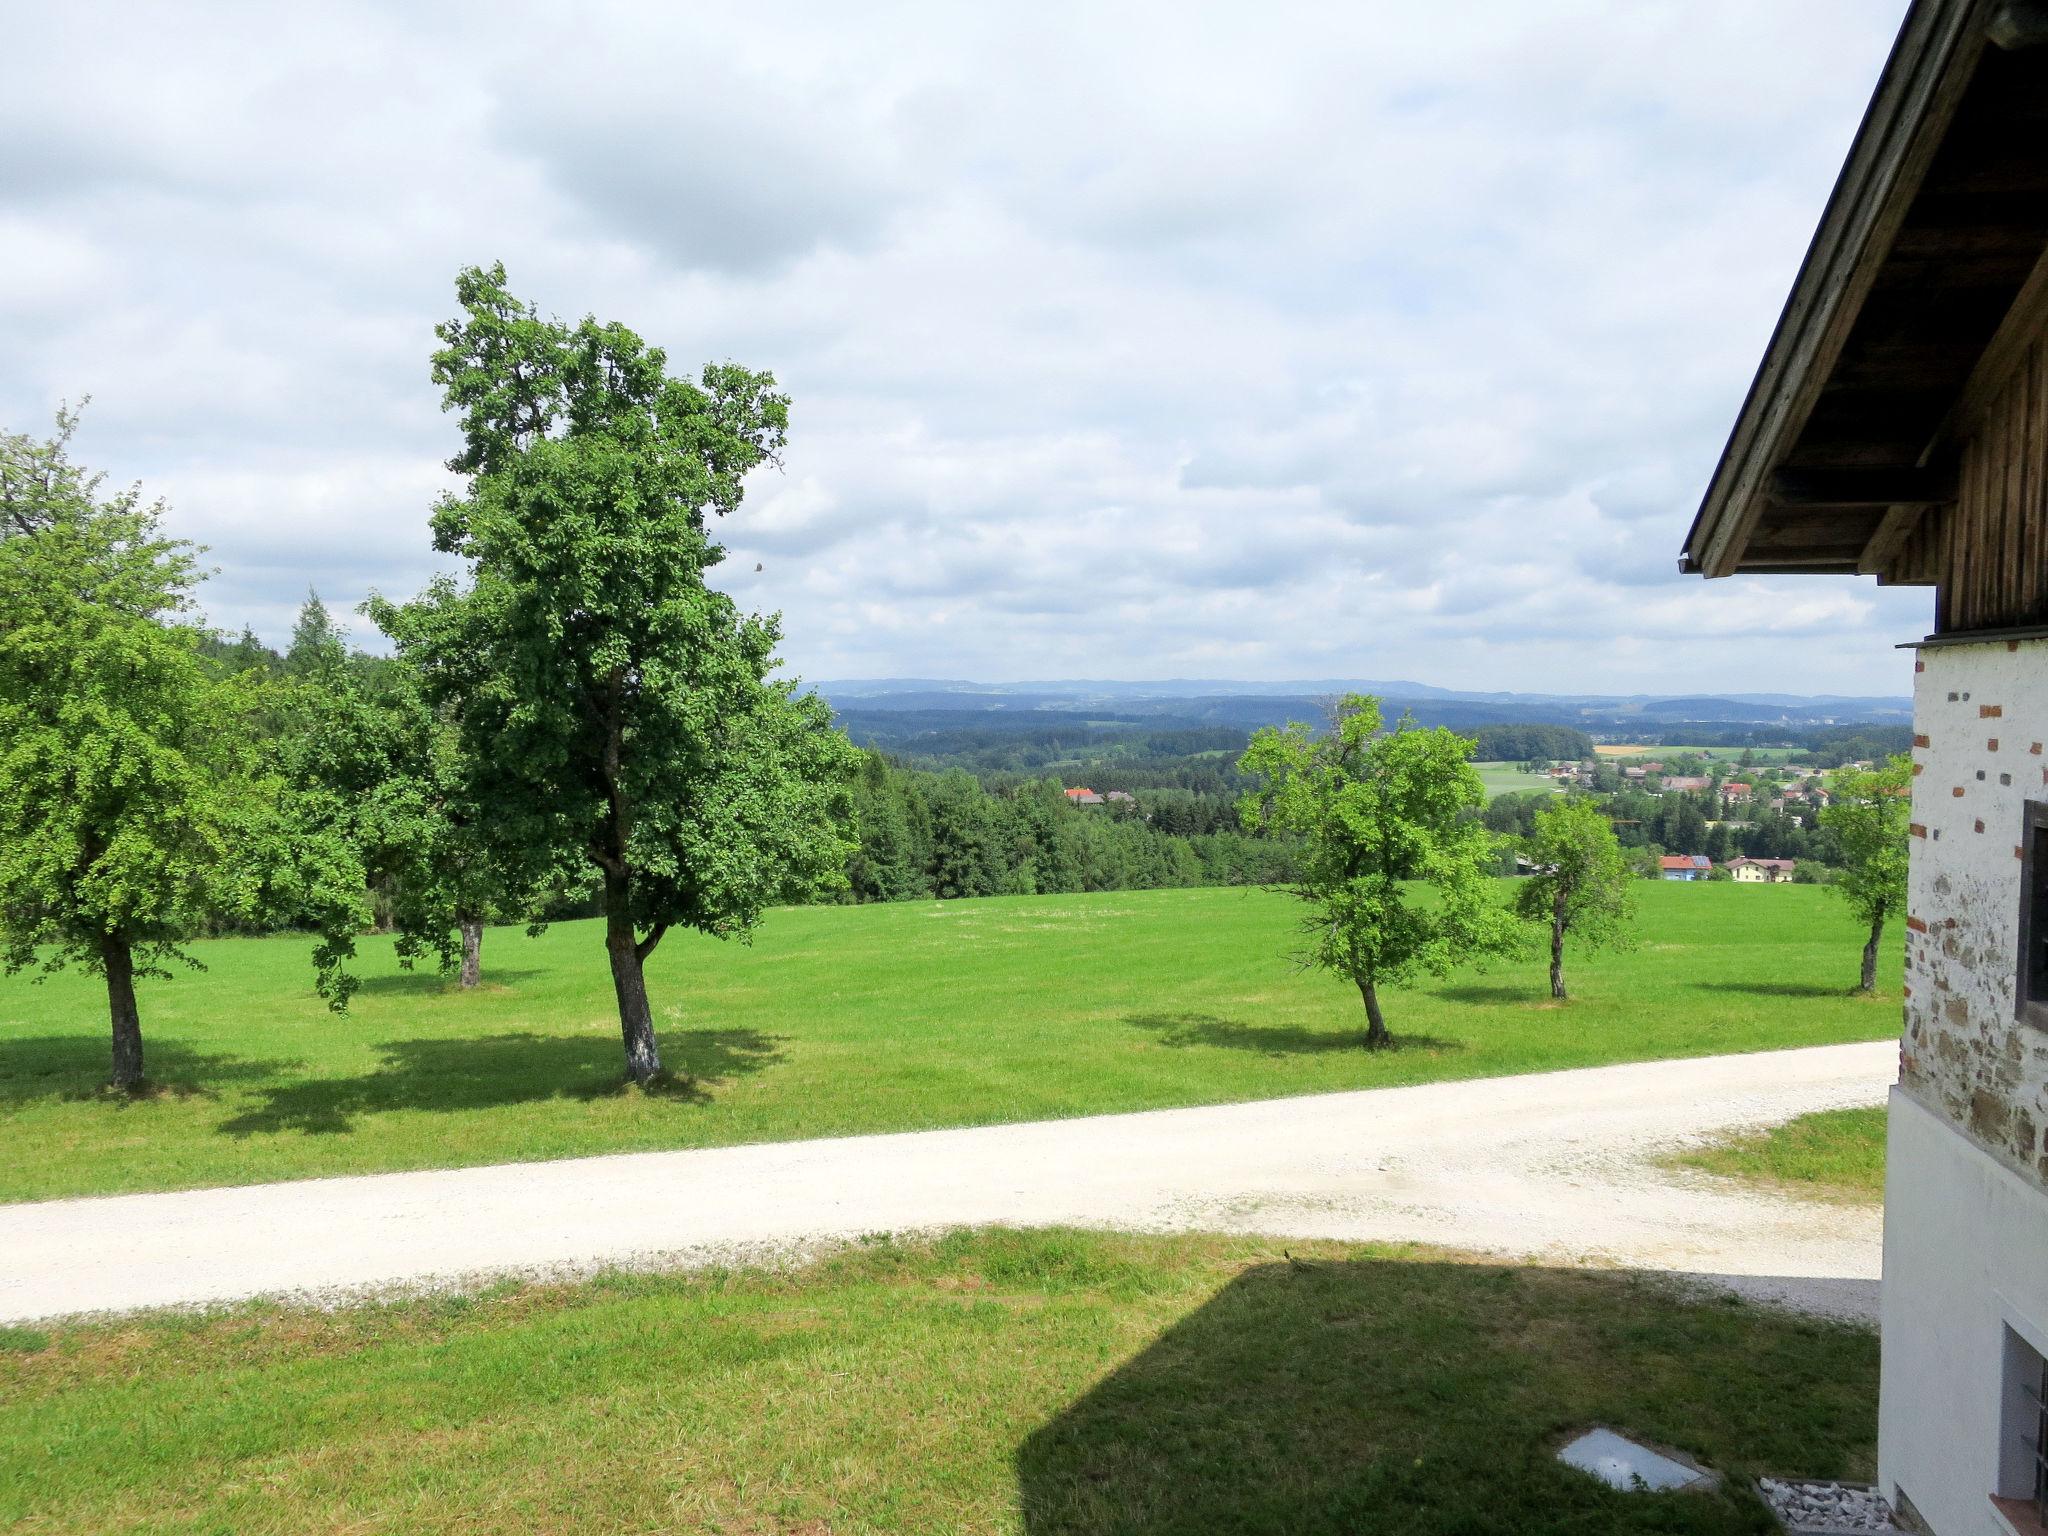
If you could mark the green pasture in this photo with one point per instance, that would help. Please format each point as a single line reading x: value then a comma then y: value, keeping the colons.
x: 1834, y: 1154
x: 1023, y: 1384
x: 840, y: 1020
x: 1508, y: 779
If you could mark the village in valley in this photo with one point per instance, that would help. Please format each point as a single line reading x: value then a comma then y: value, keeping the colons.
x: 586, y: 947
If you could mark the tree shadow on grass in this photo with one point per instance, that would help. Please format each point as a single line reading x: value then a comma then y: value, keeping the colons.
x: 1430, y: 1398
x: 36, y: 1069
x: 491, y: 1071
x: 1185, y: 1029
x: 1492, y: 994
x: 1775, y: 988
x: 429, y: 978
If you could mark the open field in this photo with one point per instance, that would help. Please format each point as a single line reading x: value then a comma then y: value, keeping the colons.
x: 846, y: 1020
x: 1835, y: 1154
x: 1043, y: 1383
x: 1508, y: 779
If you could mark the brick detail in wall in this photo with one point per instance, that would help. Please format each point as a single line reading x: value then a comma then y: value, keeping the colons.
x: 1964, y: 1053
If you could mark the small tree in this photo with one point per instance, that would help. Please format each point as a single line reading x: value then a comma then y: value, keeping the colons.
x: 1581, y: 887
x: 127, y: 773
x: 614, y: 706
x: 1869, y: 812
x: 1378, y: 812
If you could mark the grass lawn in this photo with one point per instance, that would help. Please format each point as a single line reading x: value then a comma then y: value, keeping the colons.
x: 1508, y: 779
x: 1837, y: 1153
x: 853, y: 1019
x: 1048, y: 1383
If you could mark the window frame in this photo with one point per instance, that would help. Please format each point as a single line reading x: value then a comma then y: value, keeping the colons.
x: 2030, y: 1007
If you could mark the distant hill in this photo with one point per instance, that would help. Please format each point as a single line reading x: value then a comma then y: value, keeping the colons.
x: 892, y: 709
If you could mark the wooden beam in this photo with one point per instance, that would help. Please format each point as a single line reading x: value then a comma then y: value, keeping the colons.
x: 2017, y: 24
x: 1885, y: 544
x: 1925, y: 78
x: 2002, y: 355
x: 1859, y: 487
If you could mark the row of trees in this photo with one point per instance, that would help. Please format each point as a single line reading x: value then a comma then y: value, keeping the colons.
x: 1394, y: 854
x: 923, y: 835
x: 581, y: 707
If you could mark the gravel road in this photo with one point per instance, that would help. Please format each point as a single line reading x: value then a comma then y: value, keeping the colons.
x: 1555, y: 1167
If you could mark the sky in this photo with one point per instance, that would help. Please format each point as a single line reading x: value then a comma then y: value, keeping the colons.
x: 1178, y: 340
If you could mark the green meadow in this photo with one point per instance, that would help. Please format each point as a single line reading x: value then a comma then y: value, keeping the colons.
x: 843, y: 1020
x: 1026, y: 1383
x: 1835, y: 1154
x: 1508, y: 779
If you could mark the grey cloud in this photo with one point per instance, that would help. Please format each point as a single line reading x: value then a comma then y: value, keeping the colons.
x: 1153, y: 340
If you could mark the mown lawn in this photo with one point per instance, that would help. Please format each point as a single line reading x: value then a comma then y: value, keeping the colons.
x: 845, y: 1020
x: 1508, y: 779
x: 1835, y: 1154
x: 1046, y: 1383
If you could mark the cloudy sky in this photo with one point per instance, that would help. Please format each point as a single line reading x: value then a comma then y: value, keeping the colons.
x: 1370, y: 340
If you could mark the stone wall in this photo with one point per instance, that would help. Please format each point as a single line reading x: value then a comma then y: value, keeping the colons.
x: 1981, y: 717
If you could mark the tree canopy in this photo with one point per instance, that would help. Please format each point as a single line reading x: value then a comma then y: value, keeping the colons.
x: 1580, y: 885
x: 1377, y: 812
x: 1869, y: 813
x: 616, y: 707
x: 130, y: 799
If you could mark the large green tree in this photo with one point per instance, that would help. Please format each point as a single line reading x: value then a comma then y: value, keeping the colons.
x: 1379, y: 813
x: 129, y: 792
x: 615, y: 705
x: 1582, y: 888
x: 378, y: 802
x: 1869, y: 812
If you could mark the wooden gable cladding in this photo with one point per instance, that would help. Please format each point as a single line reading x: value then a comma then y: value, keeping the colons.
x: 1908, y: 357
x: 1988, y: 552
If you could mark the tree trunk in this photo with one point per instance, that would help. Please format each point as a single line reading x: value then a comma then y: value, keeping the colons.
x: 1376, y: 1036
x: 629, y: 981
x: 472, y: 951
x: 1869, y: 982
x: 1557, y: 946
x: 120, y: 968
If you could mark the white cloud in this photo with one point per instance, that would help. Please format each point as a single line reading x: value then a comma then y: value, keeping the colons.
x: 1144, y: 341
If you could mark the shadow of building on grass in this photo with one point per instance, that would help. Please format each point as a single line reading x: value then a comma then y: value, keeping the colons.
x: 1428, y: 1399
x: 486, y: 1072
x: 1185, y: 1029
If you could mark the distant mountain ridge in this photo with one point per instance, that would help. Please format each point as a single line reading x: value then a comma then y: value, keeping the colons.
x: 1236, y: 702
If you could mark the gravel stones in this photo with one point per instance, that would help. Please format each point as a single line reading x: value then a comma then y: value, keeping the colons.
x: 1811, y: 1508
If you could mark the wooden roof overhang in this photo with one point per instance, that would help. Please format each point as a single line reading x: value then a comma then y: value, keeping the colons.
x: 1921, y: 289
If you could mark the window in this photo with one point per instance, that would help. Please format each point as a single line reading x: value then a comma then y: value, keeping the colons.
x: 2022, y: 1495
x: 2033, y: 978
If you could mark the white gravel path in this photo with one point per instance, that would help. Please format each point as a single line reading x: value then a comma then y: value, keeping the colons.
x: 1554, y: 1167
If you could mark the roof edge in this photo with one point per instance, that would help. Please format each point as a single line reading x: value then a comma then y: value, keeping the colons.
x: 1915, y: 93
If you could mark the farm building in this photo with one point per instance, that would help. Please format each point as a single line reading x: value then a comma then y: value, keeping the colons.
x: 1761, y: 871
x: 1684, y: 866
x: 1898, y: 428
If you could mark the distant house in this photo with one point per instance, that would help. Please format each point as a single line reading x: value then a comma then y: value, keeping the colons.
x: 1762, y: 871
x: 1120, y: 794
x: 1678, y: 783
x: 1734, y: 792
x: 1084, y: 797
x: 1635, y: 773
x: 1684, y: 866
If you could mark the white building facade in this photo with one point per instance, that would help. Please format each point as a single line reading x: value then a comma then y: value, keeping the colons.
x: 1898, y: 428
